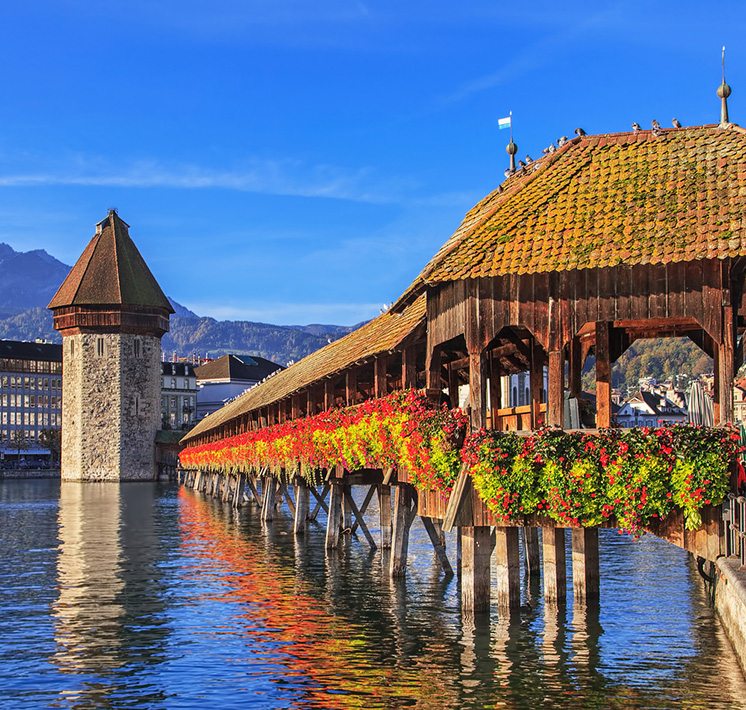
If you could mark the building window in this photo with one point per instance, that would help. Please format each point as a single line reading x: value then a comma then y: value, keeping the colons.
x: 100, y: 347
x: 173, y: 383
x: 72, y: 347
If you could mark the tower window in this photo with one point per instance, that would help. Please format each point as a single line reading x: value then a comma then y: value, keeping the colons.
x: 100, y: 347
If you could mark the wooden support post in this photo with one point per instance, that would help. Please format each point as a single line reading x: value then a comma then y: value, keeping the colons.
x: 531, y: 551
x: 536, y: 379
x: 255, y: 497
x: 269, y: 488
x: 384, y: 509
x: 434, y: 380
x: 335, y: 515
x: 585, y: 569
x: 302, y: 499
x: 576, y: 367
x: 402, y: 521
x: 507, y: 569
x: 477, y: 386
x: 725, y: 372
x: 434, y: 531
x: 409, y: 367
x: 238, y: 494
x: 351, y: 386
x: 476, y: 554
x: 346, y: 510
x: 603, y: 375
x: 453, y: 385
x: 495, y: 393
x: 555, y: 565
x: 328, y: 394
x: 556, y: 387
x: 380, y: 384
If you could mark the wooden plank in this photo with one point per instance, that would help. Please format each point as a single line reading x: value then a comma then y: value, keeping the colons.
x: 507, y: 569
x: 435, y: 533
x: 585, y: 565
x: 603, y: 376
x: 459, y: 511
x: 284, y: 493
x: 350, y: 502
x: 555, y: 565
x: 476, y: 555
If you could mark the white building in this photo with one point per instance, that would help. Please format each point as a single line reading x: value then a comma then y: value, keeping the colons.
x: 646, y: 408
x: 178, y: 395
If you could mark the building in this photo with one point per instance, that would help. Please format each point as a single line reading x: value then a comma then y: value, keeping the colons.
x: 646, y: 408
x: 227, y: 377
x: 178, y: 395
x: 30, y: 398
x: 739, y: 401
x: 111, y: 313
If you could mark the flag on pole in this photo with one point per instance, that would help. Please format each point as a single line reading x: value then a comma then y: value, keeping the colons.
x: 505, y: 122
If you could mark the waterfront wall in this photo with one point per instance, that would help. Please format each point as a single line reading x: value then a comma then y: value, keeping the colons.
x: 25, y: 473
x: 730, y: 602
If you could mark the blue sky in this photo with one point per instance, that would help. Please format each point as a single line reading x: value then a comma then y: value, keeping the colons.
x: 297, y: 161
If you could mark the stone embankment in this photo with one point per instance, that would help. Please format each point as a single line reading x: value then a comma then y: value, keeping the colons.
x: 730, y: 602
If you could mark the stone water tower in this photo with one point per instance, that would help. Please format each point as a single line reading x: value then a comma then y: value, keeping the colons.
x: 112, y: 314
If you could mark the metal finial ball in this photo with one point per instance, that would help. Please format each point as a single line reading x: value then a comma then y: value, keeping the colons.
x: 723, y: 91
x: 511, y: 148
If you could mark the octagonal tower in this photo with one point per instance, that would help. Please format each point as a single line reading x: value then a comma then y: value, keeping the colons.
x: 112, y: 314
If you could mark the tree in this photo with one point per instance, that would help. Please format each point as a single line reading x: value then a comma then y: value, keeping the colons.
x: 18, y: 441
x: 51, y: 439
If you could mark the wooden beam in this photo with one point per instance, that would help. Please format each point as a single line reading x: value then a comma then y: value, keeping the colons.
x: 453, y: 383
x: 555, y: 565
x: 319, y: 500
x: 380, y: 384
x: 435, y: 533
x: 603, y: 375
x: 556, y: 387
x: 477, y: 389
x: 576, y: 367
x: 351, y: 386
x: 507, y: 569
x: 476, y: 554
x: 384, y: 511
x: 409, y: 367
x: 495, y: 391
x: 365, y: 504
x: 585, y: 568
x: 351, y: 505
x: 328, y: 394
x: 531, y: 550
x: 725, y: 372
x: 536, y: 381
x: 269, y: 488
x: 434, y: 380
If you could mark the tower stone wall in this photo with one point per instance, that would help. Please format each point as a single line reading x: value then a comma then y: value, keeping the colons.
x: 110, y: 406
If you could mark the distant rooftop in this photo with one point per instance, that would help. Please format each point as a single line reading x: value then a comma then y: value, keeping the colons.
x: 23, y: 350
x: 242, y: 368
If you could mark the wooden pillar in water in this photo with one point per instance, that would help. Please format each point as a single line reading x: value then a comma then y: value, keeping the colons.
x: 476, y: 541
x: 531, y: 550
x: 585, y: 568
x: 556, y: 389
x: 335, y: 514
x: 384, y: 508
x: 507, y: 569
x: 402, y: 521
x: 346, y: 510
x: 301, y: 506
x: 603, y: 375
x: 269, y: 490
x: 555, y: 565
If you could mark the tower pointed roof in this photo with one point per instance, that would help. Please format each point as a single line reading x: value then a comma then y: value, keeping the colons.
x: 111, y: 271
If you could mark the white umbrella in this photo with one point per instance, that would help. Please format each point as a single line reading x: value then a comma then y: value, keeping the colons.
x: 700, y: 406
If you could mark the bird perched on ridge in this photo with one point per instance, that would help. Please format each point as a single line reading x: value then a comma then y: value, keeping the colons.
x: 508, y: 173
x: 656, y: 126
x: 676, y: 123
x: 561, y: 141
x: 635, y: 127
x: 529, y: 160
x: 521, y: 164
x: 579, y: 132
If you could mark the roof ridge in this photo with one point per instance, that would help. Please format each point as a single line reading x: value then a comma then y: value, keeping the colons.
x: 117, y: 271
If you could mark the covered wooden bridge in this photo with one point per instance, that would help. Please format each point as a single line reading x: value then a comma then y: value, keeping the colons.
x: 610, y: 239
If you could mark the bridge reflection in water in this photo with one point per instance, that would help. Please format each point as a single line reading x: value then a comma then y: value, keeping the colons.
x: 149, y: 596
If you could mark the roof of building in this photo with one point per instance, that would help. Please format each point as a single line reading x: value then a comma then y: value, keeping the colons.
x: 242, y: 368
x: 381, y: 335
x: 178, y: 369
x: 657, y: 404
x: 111, y: 271
x: 599, y: 201
x: 22, y: 350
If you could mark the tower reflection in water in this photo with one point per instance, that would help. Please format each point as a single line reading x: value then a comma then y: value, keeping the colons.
x: 108, y: 617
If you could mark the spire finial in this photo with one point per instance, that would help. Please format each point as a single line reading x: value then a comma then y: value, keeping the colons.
x: 511, y: 148
x: 724, y: 92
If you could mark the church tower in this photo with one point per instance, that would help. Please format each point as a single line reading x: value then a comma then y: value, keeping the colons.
x: 112, y: 314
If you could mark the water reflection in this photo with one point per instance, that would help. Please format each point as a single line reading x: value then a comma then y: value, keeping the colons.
x: 153, y: 597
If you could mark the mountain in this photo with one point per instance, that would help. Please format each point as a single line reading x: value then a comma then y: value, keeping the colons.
x: 28, y: 280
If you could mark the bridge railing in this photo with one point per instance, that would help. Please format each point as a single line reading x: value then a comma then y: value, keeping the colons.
x: 734, y: 514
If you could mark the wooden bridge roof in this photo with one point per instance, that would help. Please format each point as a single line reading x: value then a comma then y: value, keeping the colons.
x: 603, y: 200
x: 381, y: 335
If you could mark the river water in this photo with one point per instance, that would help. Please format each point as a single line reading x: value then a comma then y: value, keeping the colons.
x: 144, y: 595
